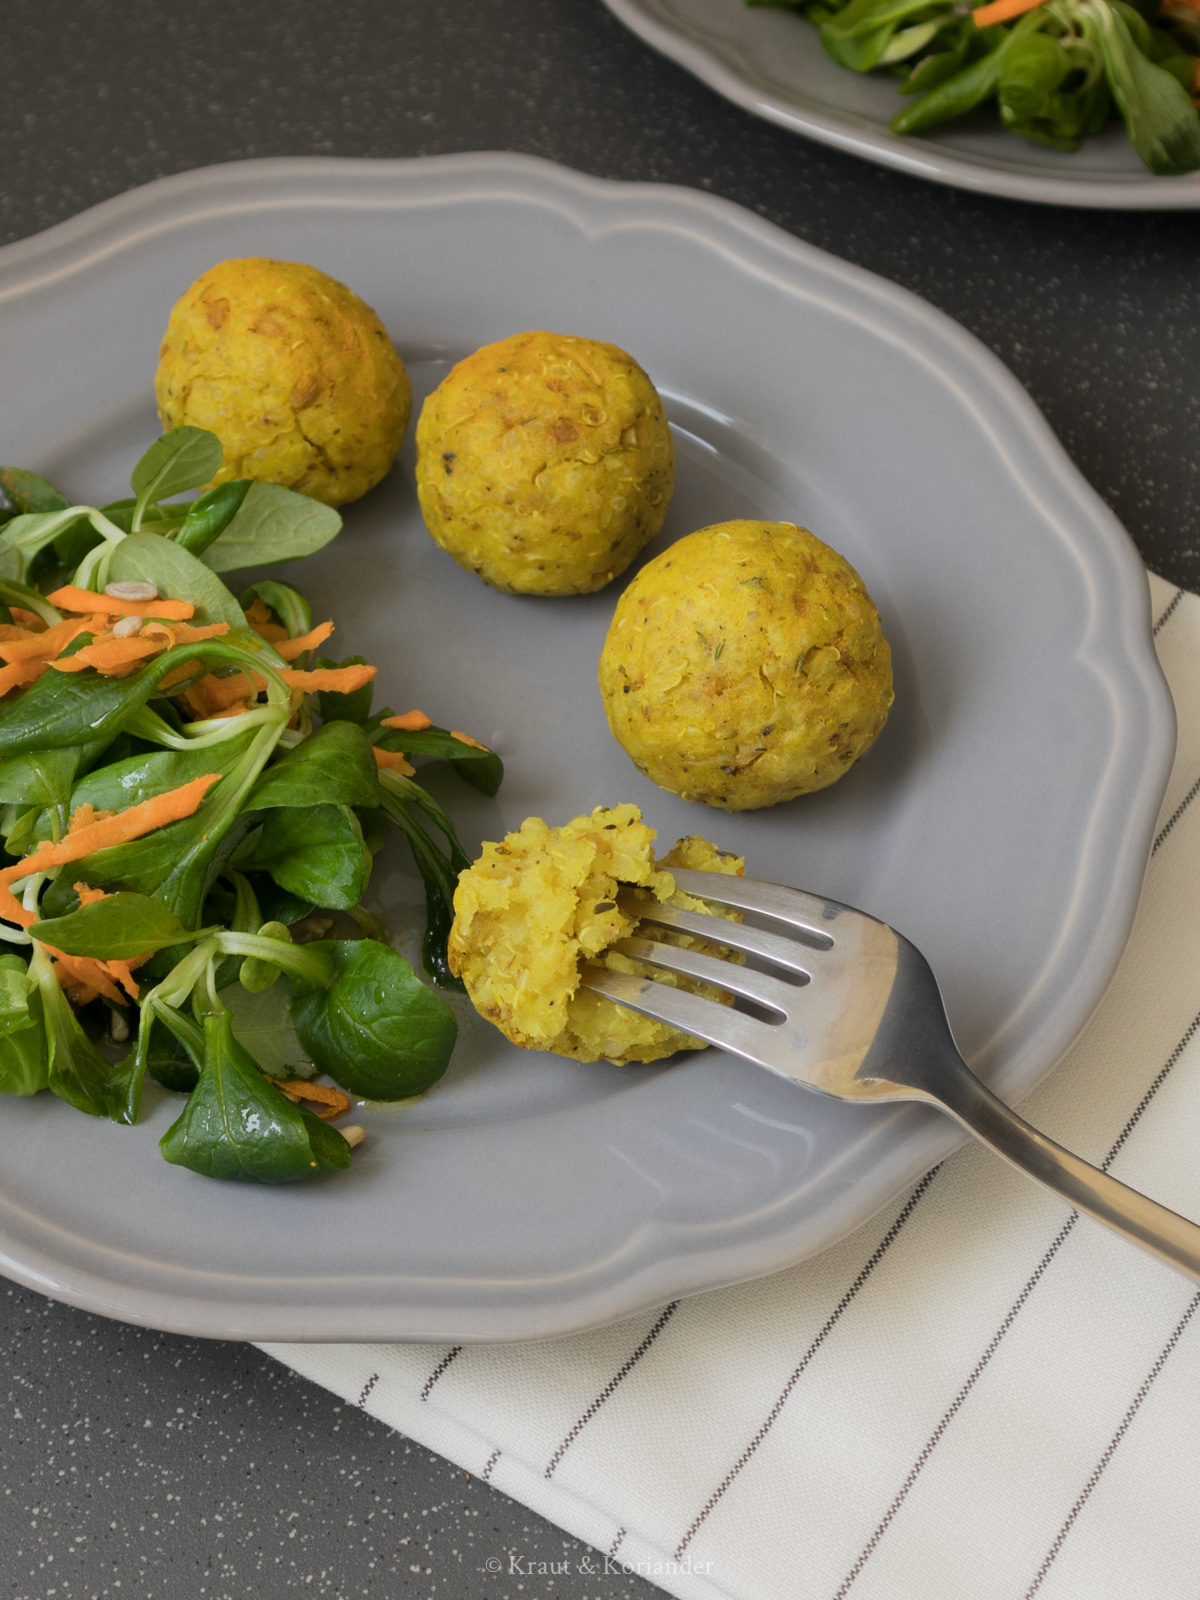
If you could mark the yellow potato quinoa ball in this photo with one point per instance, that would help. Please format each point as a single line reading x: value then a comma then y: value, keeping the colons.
x: 545, y: 463
x: 746, y: 665
x: 292, y: 371
x: 532, y: 909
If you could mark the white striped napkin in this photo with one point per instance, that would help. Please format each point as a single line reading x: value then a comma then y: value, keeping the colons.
x: 976, y: 1395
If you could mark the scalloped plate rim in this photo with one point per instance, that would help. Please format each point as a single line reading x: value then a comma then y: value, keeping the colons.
x: 1103, y: 548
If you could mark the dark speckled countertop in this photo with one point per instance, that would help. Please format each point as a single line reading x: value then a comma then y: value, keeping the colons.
x: 140, y: 1464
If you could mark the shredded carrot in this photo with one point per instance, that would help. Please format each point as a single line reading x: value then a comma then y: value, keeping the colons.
x: 185, y: 633
x: 214, y: 694
x: 85, y: 840
x: 259, y: 618
x: 408, y: 722
x: 465, y: 738
x: 335, y: 1102
x: 88, y: 896
x: 85, y: 973
x: 20, y: 674
x: 42, y: 646
x: 28, y: 653
x: 120, y: 971
x: 235, y: 710
x: 69, y: 598
x: 28, y: 619
x: 86, y: 815
x: 289, y: 649
x: 179, y: 674
x: 393, y: 760
x: 112, y: 657
x: 81, y: 993
x: 342, y: 680
x: 1003, y: 11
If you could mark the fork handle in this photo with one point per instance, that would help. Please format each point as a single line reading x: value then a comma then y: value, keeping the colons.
x: 1144, y: 1222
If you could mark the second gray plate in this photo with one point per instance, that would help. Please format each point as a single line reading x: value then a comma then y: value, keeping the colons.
x: 771, y: 62
x: 1002, y: 821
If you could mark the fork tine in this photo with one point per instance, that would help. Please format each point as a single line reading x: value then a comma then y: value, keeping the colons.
x: 807, y: 913
x: 774, y: 947
x: 730, y: 1030
x: 757, y: 986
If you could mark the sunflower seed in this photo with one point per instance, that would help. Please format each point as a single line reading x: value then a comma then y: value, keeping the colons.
x: 131, y: 591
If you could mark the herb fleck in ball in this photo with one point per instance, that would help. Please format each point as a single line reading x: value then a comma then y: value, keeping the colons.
x: 294, y: 373
x: 545, y: 463
x: 746, y: 665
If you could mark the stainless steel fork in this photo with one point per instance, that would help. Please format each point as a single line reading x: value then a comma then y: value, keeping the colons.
x: 866, y: 1022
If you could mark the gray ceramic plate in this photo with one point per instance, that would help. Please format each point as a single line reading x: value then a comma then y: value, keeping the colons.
x: 1003, y: 819
x: 771, y: 62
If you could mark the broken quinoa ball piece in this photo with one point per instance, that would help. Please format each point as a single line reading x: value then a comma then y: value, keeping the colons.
x: 534, y: 908
x: 545, y: 463
x: 294, y: 373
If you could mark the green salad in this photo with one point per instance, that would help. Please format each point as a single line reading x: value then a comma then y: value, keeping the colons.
x: 191, y: 797
x: 1056, y: 72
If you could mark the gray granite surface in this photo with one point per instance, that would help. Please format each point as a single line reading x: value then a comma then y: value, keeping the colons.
x: 136, y: 1464
x: 147, y: 1467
